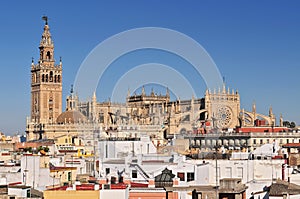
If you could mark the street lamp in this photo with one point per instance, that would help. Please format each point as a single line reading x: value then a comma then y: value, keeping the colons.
x: 216, y: 156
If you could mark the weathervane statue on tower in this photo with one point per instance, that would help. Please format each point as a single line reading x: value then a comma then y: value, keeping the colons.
x: 45, y: 18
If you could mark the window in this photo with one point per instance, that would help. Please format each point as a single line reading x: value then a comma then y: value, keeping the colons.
x: 107, y: 171
x: 51, y: 76
x: 254, y: 141
x: 268, y: 141
x: 261, y: 141
x: 134, y: 173
x: 69, y: 176
x: 180, y: 175
x: 190, y: 176
x: 101, y: 117
x: 48, y: 55
x: 228, y: 172
x: 240, y: 172
x: 280, y: 141
x: 287, y: 141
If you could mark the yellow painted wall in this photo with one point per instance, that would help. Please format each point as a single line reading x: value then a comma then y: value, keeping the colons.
x: 90, y: 194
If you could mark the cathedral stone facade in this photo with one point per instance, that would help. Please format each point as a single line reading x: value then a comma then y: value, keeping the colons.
x: 153, y: 114
x: 223, y: 108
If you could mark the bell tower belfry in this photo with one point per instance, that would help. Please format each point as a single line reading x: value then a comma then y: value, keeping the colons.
x: 46, y: 82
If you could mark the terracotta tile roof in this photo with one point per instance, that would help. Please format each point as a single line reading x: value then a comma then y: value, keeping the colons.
x: 280, y: 187
x: 84, y: 187
x: 291, y: 145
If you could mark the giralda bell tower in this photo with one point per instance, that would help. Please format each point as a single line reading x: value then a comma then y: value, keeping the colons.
x: 46, y: 82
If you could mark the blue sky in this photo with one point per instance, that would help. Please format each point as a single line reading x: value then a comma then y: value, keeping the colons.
x: 255, y: 45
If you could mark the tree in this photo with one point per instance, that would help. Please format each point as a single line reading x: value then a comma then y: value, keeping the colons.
x: 286, y: 124
x: 46, y: 149
x: 293, y: 125
x: 289, y: 124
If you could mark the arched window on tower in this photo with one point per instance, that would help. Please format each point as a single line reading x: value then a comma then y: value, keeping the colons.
x: 48, y: 56
x: 46, y: 80
x: 43, y: 77
x: 55, y: 78
x: 58, y: 78
x: 51, y: 76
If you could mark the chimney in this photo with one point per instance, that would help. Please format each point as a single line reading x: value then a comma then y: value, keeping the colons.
x: 175, y: 181
x: 96, y: 187
x: 126, y: 181
x: 151, y: 183
x: 102, y: 181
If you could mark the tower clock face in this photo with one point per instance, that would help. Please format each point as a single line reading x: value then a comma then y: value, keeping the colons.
x: 224, y: 116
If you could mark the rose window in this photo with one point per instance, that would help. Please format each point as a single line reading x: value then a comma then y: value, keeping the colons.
x: 224, y: 116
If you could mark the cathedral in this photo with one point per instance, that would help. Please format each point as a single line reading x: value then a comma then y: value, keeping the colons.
x: 153, y: 114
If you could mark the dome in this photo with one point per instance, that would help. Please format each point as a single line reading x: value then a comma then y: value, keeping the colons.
x: 71, y: 116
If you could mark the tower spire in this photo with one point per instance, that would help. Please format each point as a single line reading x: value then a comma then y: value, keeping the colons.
x: 254, y: 107
x: 167, y: 92
x: 72, y: 90
x: 143, y: 91
x: 46, y: 40
x: 223, y: 86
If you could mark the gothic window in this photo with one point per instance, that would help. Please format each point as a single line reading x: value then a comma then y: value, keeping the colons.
x: 46, y: 80
x: 58, y: 78
x: 55, y: 78
x: 51, y: 76
x: 43, y: 77
x: 48, y: 56
x: 101, y: 117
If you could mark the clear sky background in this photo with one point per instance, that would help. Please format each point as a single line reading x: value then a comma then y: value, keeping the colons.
x: 255, y: 44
